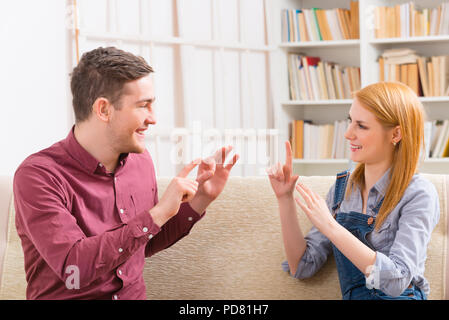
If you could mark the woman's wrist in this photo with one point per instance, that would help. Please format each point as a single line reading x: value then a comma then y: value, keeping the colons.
x: 285, y: 197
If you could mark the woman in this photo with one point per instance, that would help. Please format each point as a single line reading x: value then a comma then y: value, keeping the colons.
x: 378, y: 219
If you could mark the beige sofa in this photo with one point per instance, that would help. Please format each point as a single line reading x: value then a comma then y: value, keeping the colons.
x: 235, y: 252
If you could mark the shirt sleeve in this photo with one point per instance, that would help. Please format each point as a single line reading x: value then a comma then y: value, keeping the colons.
x: 318, y: 248
x: 393, y: 272
x: 41, y: 215
x: 174, y: 229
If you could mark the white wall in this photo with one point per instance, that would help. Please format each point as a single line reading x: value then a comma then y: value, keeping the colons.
x: 35, y: 57
x: 33, y: 79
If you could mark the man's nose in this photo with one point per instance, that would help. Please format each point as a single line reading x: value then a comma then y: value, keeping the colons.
x: 151, y: 118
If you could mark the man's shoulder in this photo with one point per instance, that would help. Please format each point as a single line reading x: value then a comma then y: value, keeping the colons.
x: 48, y: 159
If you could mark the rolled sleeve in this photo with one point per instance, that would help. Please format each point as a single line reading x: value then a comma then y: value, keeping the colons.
x: 394, y: 270
x: 315, y: 255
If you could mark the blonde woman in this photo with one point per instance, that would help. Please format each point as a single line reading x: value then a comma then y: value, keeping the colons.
x: 376, y: 220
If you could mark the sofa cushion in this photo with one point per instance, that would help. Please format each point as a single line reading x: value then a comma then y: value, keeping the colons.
x: 236, y: 251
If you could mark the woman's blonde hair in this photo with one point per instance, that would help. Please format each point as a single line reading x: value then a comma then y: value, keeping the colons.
x: 394, y: 104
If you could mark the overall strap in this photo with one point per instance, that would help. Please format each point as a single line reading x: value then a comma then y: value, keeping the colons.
x: 340, y: 188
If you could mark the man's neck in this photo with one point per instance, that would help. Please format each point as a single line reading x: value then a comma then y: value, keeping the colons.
x: 97, y: 145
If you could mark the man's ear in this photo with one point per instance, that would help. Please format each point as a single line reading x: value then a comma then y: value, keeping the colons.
x: 102, y: 109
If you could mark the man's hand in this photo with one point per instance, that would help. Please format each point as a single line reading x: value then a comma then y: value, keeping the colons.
x: 179, y: 190
x: 212, y: 177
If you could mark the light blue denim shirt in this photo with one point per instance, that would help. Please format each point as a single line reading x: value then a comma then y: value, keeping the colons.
x: 400, y: 244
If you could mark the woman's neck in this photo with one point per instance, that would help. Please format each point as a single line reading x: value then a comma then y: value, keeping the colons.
x: 373, y: 172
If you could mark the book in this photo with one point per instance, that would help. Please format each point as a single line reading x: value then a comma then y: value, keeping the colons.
x: 441, y: 141
x: 299, y: 137
x: 354, y: 19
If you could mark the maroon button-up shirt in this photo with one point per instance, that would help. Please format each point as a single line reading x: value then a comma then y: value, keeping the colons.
x: 85, y: 232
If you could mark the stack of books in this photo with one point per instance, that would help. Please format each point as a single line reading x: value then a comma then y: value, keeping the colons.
x: 317, y: 24
x: 313, y: 141
x: 405, y: 20
x: 313, y: 79
x: 427, y: 76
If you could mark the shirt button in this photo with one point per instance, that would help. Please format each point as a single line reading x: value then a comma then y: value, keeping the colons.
x: 115, y: 297
x: 120, y: 272
x: 190, y: 218
x: 122, y: 211
x: 145, y: 229
x: 150, y: 236
x: 101, y: 165
x: 120, y: 250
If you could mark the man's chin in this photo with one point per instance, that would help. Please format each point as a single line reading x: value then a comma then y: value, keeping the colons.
x: 137, y: 149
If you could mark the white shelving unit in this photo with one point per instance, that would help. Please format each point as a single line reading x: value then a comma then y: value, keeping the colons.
x: 362, y: 53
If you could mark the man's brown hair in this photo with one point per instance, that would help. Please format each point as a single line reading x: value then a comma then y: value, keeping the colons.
x: 103, y: 72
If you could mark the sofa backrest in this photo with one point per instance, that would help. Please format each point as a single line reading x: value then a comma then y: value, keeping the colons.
x: 235, y: 252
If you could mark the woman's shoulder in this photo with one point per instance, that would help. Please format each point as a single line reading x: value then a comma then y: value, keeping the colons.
x: 420, y: 183
x: 421, y: 192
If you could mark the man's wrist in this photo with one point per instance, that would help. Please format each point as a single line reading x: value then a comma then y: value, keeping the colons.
x: 158, y: 215
x: 200, y: 202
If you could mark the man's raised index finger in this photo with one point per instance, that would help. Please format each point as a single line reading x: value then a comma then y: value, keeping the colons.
x: 189, y: 167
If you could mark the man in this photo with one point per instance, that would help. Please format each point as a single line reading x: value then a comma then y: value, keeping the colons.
x: 87, y: 208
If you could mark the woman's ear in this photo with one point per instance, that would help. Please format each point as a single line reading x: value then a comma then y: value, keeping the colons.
x: 102, y: 109
x: 397, y: 135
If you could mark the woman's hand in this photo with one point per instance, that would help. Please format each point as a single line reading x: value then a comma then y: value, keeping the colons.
x: 315, y: 208
x: 281, y: 179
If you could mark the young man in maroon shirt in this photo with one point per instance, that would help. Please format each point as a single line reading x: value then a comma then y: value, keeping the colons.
x: 87, y: 208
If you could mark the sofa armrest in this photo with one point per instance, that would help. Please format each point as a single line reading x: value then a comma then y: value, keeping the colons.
x: 5, y: 199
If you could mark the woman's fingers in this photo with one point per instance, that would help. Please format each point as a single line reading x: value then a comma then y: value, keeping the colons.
x: 306, y: 194
x: 288, y: 160
x: 279, y: 172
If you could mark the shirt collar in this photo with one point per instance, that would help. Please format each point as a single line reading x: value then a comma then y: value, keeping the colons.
x: 85, y: 159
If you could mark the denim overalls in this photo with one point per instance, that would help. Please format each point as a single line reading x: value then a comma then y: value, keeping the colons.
x: 352, y: 280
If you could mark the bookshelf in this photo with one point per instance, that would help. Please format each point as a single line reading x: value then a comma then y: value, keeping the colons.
x: 363, y: 53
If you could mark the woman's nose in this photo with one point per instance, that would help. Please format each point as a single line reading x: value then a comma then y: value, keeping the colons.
x: 349, y: 133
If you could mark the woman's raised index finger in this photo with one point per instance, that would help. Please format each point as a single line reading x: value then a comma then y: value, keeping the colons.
x: 288, y: 154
